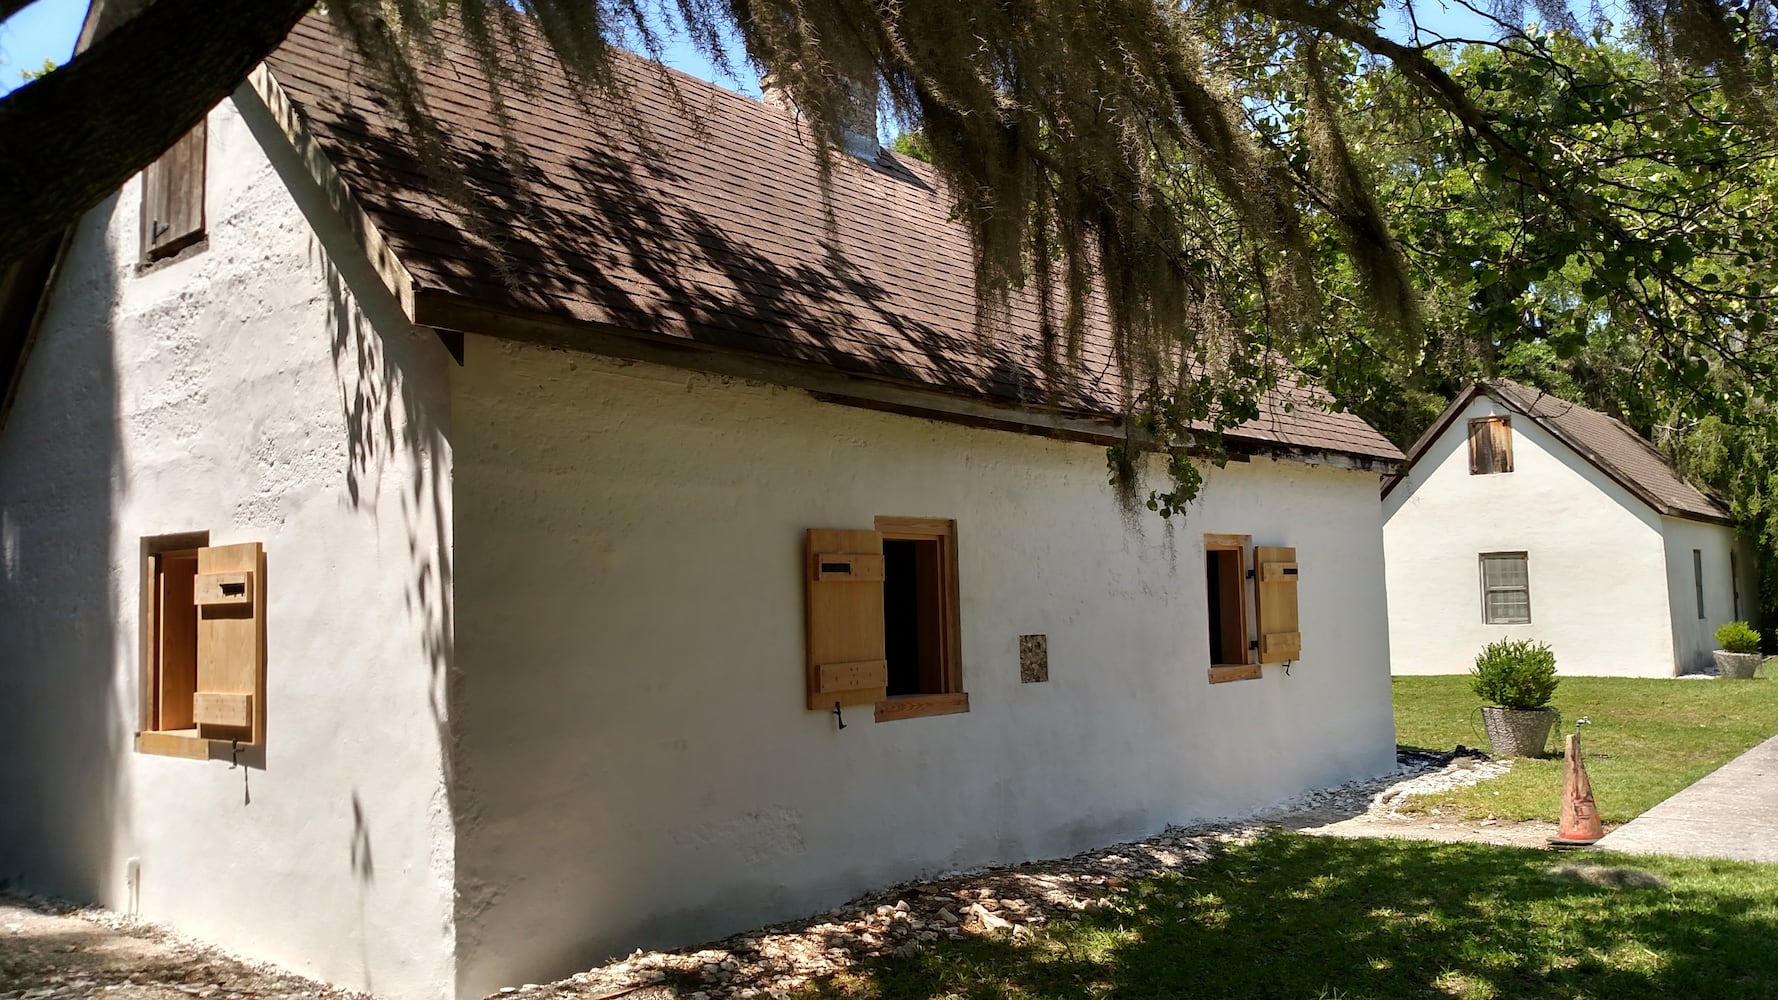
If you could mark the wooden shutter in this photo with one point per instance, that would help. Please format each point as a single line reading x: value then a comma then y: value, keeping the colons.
x: 1275, y: 573
x: 1500, y: 442
x: 173, y: 197
x: 1481, y: 448
x: 847, y: 664
x: 229, y: 595
x: 1490, y: 445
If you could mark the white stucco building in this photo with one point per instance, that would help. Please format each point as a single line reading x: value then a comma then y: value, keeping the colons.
x: 1522, y: 515
x: 430, y: 605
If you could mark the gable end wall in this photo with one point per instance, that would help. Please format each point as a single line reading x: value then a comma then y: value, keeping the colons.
x: 1597, y: 562
x: 264, y: 388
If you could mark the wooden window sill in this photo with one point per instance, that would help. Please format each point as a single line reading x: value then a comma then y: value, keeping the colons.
x: 914, y: 706
x: 1234, y: 672
x: 188, y: 744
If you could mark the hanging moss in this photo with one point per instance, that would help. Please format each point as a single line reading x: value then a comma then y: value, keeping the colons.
x: 1108, y: 157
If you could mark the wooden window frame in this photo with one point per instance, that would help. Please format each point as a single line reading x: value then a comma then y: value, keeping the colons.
x: 1500, y: 446
x: 1482, y: 576
x: 184, y: 743
x: 952, y: 699
x: 1248, y: 669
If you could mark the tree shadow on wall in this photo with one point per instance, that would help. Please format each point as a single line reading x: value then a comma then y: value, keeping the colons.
x: 64, y: 730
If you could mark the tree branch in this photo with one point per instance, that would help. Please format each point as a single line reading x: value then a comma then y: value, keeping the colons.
x: 78, y: 134
x: 11, y: 7
x: 1450, y: 95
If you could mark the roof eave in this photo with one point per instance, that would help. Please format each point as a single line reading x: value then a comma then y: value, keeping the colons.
x: 272, y: 99
x: 446, y: 311
x: 1431, y: 434
x: 1610, y: 471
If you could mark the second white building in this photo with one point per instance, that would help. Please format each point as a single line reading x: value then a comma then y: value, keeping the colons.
x: 1522, y: 515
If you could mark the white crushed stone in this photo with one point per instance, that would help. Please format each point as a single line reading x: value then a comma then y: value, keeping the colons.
x: 902, y: 920
x: 1014, y: 901
x: 1415, y: 773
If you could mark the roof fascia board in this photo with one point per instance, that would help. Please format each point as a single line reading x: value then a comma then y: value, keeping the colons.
x: 1610, y: 471
x: 24, y: 298
x: 1431, y: 434
x: 1461, y: 403
x: 445, y: 311
x: 25, y: 287
x: 370, y: 239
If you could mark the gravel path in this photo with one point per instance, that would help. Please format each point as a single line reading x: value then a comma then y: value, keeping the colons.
x: 56, y: 951
x: 51, y: 951
x: 1348, y: 812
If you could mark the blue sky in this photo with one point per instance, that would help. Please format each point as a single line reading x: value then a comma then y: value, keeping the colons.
x: 46, y: 30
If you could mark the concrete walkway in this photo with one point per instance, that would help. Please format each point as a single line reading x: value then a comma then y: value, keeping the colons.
x: 1731, y: 813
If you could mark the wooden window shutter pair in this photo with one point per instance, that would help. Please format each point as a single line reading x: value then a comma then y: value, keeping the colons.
x: 847, y: 661
x: 173, y: 197
x: 1490, y: 445
x: 209, y: 643
x: 1280, y: 640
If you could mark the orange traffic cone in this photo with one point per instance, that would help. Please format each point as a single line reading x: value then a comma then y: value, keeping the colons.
x: 1580, y: 824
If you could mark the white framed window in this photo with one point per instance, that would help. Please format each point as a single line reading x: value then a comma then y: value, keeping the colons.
x: 1506, y: 588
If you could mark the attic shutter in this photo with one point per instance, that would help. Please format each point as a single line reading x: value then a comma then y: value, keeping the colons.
x: 1500, y: 434
x: 1481, y: 448
x: 173, y: 197
x: 847, y: 663
x: 228, y: 592
x: 1276, y: 576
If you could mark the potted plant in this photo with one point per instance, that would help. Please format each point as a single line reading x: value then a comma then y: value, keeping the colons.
x: 1518, y: 677
x: 1739, y: 656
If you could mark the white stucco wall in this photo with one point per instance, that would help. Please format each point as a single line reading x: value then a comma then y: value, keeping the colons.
x: 265, y: 390
x: 1598, y: 573
x: 637, y: 766
x: 1694, y: 638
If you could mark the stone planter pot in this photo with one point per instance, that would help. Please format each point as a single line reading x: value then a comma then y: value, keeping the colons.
x: 1736, y: 666
x: 1516, y: 732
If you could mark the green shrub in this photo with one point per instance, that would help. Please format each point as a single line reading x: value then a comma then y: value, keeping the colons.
x: 1515, y: 673
x: 1738, y: 637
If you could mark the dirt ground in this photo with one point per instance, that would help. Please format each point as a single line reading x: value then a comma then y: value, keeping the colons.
x: 50, y: 950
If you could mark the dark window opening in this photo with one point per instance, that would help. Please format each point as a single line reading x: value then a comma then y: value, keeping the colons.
x: 1698, y: 578
x: 1735, y: 585
x: 913, y: 615
x: 175, y: 638
x: 1228, y: 627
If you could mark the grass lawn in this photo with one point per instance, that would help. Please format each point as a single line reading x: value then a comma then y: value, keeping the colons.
x: 1297, y: 916
x: 1648, y: 739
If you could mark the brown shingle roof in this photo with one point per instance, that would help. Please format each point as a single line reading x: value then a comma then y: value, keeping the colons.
x: 716, y: 234
x: 1606, y: 442
x: 1610, y: 444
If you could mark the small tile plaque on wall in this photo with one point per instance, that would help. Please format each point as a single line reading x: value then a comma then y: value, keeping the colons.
x: 1034, y: 659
